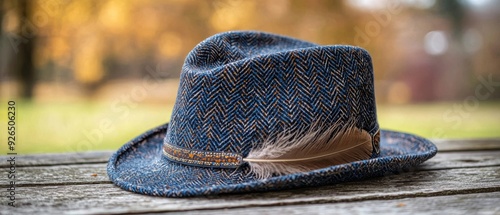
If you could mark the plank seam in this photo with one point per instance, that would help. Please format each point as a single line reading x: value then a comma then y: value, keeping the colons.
x: 326, y: 201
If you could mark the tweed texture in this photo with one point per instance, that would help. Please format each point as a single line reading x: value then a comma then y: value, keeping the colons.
x: 240, y: 88
x: 237, y: 89
x: 139, y: 167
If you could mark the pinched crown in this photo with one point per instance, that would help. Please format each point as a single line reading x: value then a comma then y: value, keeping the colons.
x: 238, y: 89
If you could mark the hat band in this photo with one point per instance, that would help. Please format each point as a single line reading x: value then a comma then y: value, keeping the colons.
x: 212, y: 159
x: 202, y: 158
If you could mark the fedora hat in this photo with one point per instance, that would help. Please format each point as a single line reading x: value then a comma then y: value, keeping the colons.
x: 260, y: 112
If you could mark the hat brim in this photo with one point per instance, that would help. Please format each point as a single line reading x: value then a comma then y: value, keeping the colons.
x: 139, y: 166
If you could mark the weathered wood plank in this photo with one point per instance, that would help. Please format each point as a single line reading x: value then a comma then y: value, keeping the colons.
x: 462, y: 160
x: 61, y: 175
x: 444, y: 145
x: 480, y: 203
x: 96, y: 173
x: 106, y: 198
x: 59, y: 159
x: 451, y: 145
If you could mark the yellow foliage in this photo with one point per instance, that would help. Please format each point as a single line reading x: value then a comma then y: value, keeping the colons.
x: 170, y: 45
x: 233, y: 14
x: 11, y: 21
x: 114, y: 15
x: 88, y: 70
x: 87, y: 63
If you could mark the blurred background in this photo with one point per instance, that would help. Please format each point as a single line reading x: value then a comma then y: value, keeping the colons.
x: 92, y: 74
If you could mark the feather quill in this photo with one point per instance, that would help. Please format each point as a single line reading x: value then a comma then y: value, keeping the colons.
x: 317, y: 148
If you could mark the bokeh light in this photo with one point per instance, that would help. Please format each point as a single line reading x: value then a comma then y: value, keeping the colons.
x: 72, y: 64
x: 436, y: 43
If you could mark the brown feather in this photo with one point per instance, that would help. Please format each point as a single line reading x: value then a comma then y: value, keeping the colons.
x: 316, y: 149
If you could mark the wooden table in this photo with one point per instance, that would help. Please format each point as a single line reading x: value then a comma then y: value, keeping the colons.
x: 463, y: 178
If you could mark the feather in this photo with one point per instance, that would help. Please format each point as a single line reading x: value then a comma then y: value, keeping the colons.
x: 317, y: 148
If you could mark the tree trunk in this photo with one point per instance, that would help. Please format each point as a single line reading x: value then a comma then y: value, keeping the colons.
x: 25, y: 66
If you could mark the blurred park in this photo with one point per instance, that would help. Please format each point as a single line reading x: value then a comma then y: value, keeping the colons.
x: 93, y: 74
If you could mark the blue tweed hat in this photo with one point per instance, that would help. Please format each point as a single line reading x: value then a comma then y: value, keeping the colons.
x: 244, y: 94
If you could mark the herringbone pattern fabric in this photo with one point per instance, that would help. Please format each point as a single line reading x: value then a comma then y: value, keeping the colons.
x: 238, y: 89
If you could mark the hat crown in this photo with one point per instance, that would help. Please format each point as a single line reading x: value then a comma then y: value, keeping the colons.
x: 239, y: 88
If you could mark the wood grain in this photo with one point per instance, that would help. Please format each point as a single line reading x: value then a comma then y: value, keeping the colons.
x: 452, y: 145
x: 59, y: 159
x: 96, y: 173
x: 107, y: 198
x: 103, y: 156
x: 463, y: 177
x: 467, y: 159
x: 481, y: 203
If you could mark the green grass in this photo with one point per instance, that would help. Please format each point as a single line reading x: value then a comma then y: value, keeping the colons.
x: 81, y: 126
x: 443, y: 120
